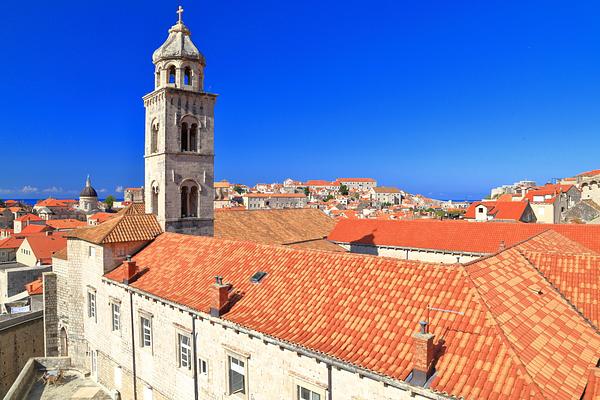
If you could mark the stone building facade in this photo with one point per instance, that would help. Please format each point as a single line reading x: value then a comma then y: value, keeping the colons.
x: 179, y: 150
x: 256, y: 201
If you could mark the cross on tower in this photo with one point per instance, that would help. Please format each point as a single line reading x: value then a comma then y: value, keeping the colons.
x: 180, y: 11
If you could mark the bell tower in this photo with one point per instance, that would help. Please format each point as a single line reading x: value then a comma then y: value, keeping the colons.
x: 179, y: 144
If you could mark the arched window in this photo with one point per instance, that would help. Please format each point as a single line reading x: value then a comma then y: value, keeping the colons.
x: 184, y: 136
x: 193, y: 202
x: 189, y: 199
x: 187, y: 76
x: 172, y: 74
x: 154, y: 138
x: 154, y: 199
x: 157, y: 79
x: 194, y: 138
x: 184, y: 202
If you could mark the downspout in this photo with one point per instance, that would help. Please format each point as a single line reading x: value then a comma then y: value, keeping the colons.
x: 133, y: 346
x: 329, y: 382
x: 195, y: 357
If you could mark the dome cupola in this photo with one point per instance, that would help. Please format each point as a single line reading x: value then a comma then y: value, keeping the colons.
x: 88, y: 190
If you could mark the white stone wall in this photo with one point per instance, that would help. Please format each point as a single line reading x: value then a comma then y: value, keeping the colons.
x: 424, y: 255
x: 274, y: 202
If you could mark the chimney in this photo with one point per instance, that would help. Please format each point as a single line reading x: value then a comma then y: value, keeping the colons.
x: 219, y: 296
x: 48, y: 233
x: 423, y: 356
x: 130, y: 270
x: 501, y: 246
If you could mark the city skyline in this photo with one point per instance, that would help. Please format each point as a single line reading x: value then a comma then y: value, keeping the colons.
x: 438, y: 99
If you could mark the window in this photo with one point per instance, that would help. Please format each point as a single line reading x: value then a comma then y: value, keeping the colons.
x: 154, y: 137
x: 92, y: 305
x: 184, y: 137
x: 202, y: 367
x: 481, y: 209
x: 187, y: 76
x: 306, y: 394
x: 185, y: 351
x: 236, y: 375
x: 172, y: 74
x: 116, y: 316
x: 146, y: 325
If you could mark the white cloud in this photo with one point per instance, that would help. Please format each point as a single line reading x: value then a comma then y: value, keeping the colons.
x: 5, y: 191
x: 29, y: 189
x: 119, y: 189
x: 53, y: 189
x: 102, y: 190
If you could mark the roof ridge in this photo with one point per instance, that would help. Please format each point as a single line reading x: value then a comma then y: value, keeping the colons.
x: 558, y: 291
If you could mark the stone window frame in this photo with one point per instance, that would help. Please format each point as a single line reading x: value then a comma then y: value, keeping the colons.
x: 241, y: 356
x: 203, y: 372
x: 148, y: 316
x: 92, y: 303
x: 184, y: 348
x: 299, y: 381
x: 112, y: 302
x: 180, y: 331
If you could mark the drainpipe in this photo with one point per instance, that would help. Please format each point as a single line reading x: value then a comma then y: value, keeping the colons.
x: 329, y: 382
x: 195, y: 358
x: 133, y: 346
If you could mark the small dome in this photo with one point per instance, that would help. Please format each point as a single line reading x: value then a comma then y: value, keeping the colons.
x: 178, y: 45
x: 88, y: 190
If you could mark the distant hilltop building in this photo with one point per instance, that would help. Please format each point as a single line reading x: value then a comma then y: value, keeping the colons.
x: 515, y: 188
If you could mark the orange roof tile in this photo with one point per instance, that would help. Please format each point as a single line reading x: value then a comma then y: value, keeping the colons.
x: 35, y: 287
x: 124, y: 228
x: 475, y: 237
x: 43, y: 246
x: 355, y: 180
x: 101, y: 217
x: 34, y: 228
x: 346, y: 305
x: 11, y: 243
x: 29, y: 217
x: 67, y: 223
x: 504, y: 210
x: 290, y: 195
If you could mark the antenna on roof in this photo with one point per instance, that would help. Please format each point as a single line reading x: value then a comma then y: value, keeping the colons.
x: 429, y: 308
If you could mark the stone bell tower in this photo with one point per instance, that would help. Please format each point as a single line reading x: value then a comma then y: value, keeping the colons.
x: 179, y: 150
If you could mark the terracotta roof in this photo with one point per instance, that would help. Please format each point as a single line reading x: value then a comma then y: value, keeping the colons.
x: 355, y: 180
x: 590, y: 173
x: 133, y: 209
x: 548, y: 190
x: 101, y: 217
x: 124, y: 228
x: 50, y: 202
x: 273, y: 226
x: 68, y: 223
x: 34, y: 228
x: 505, y: 210
x: 11, y: 243
x: 43, y: 246
x: 557, y: 347
x: 364, y: 310
x: 385, y: 189
x: 476, y: 237
x: 319, y: 182
x: 29, y: 217
x: 291, y: 195
x: 35, y: 287
x: 61, y: 254
x: 318, y: 244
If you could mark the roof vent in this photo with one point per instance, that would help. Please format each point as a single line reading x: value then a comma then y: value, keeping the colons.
x: 257, y: 277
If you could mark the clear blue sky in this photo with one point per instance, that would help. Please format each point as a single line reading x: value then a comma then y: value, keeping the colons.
x: 435, y: 97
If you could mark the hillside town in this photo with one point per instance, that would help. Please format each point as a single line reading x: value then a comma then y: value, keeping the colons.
x: 330, y: 288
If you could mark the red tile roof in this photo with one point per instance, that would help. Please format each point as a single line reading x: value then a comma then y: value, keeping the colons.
x: 364, y: 310
x: 355, y: 180
x: 124, y: 228
x: 29, y: 217
x: 101, y: 217
x: 50, y: 202
x: 504, y: 210
x: 11, y: 243
x: 475, y: 237
x: 34, y: 228
x: 291, y: 195
x: 43, y: 246
x: 67, y: 223
x: 319, y: 182
x: 590, y: 173
x: 35, y: 287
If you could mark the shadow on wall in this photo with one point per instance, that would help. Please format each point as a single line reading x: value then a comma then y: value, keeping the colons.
x: 365, y: 245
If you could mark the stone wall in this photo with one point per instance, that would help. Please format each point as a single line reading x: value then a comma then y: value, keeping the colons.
x: 445, y: 257
x: 21, y: 338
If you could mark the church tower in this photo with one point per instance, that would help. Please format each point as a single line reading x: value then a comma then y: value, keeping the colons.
x: 179, y: 150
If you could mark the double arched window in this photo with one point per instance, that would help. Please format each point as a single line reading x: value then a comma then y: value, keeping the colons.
x: 172, y: 74
x: 187, y: 76
x: 189, y: 135
x: 189, y: 199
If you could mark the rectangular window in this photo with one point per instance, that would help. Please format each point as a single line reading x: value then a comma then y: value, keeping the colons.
x: 92, y: 305
x: 237, y: 376
x: 146, y: 331
x: 203, y: 367
x: 116, y: 316
x: 185, y: 351
x: 92, y: 251
x: 306, y: 394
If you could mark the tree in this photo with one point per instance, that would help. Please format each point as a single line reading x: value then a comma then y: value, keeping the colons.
x: 329, y: 197
x: 238, y: 189
x: 109, y: 201
x: 306, y: 191
x: 344, y: 190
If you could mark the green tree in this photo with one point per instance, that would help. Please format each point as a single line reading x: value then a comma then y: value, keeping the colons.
x: 238, y: 189
x: 329, y: 197
x: 306, y: 192
x: 109, y: 201
x: 344, y: 190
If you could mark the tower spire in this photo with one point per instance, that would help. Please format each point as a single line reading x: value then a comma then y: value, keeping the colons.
x: 88, y: 183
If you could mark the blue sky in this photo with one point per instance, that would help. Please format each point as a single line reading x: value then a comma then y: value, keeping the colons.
x: 442, y: 98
